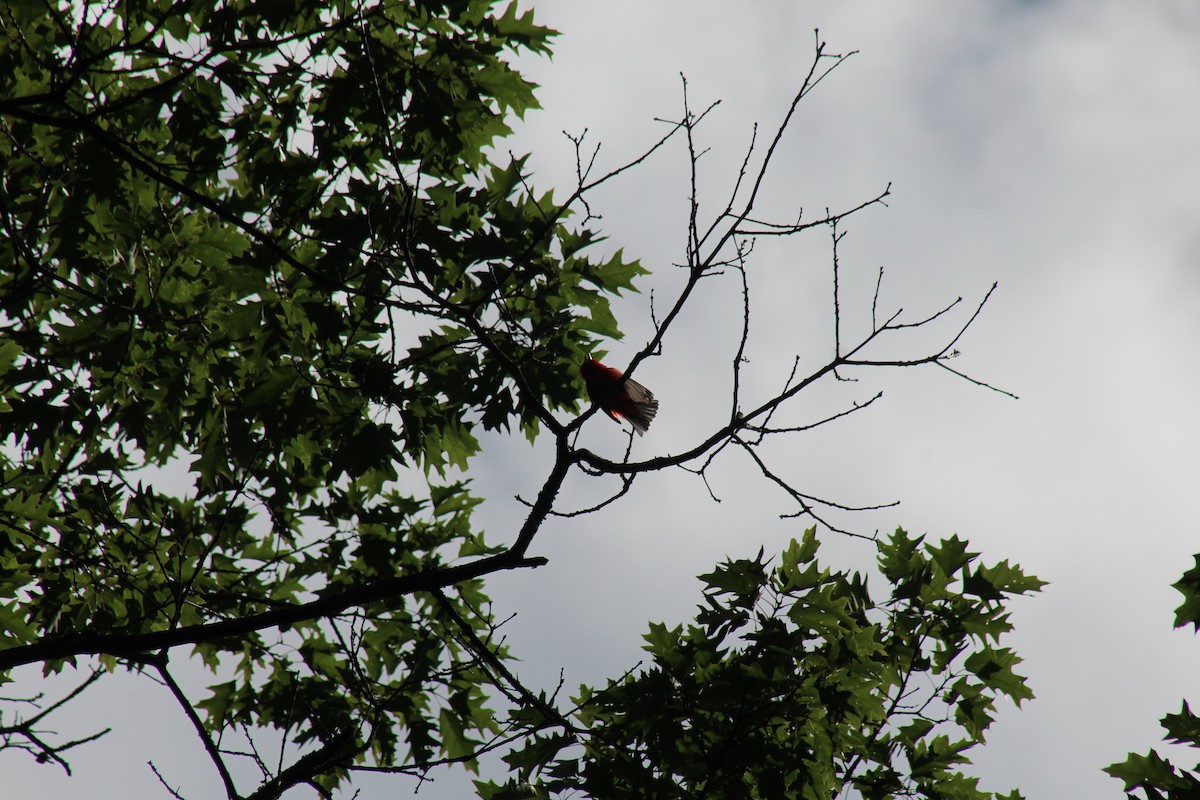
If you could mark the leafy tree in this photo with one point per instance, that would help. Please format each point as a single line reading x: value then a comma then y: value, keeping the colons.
x: 268, y: 247
x: 794, y: 682
x: 1157, y: 777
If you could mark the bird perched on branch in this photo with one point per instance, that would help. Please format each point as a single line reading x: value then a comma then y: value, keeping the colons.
x: 620, y: 400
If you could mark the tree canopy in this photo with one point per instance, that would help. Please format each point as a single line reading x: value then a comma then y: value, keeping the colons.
x: 1152, y: 776
x: 266, y: 279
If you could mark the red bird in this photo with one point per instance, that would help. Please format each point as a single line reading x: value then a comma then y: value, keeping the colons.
x: 630, y: 400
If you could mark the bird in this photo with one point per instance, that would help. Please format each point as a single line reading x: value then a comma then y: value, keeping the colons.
x: 628, y: 400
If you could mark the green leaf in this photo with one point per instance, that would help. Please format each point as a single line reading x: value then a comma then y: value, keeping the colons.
x: 455, y: 742
x: 1184, y: 727
x: 1189, y: 586
x: 994, y: 666
x: 952, y: 555
x: 662, y: 640
x: 1151, y: 772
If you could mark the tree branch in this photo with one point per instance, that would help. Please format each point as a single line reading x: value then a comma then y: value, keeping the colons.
x: 127, y: 645
x: 190, y: 712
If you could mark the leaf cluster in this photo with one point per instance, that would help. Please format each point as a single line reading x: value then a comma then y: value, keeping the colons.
x: 1153, y: 776
x: 795, y: 681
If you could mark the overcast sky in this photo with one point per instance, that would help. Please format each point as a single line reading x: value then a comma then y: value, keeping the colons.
x: 1049, y: 146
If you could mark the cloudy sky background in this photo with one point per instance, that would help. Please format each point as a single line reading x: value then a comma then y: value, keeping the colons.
x: 1049, y: 146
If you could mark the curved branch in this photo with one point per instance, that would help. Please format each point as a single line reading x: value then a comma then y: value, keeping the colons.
x: 190, y: 712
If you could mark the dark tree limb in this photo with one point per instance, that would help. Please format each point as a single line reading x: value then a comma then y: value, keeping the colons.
x: 136, y: 645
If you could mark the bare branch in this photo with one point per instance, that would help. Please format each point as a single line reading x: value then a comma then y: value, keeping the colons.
x: 789, y: 229
x: 837, y: 300
x: 210, y: 747
x: 875, y: 300
x: 892, y: 325
x: 971, y: 321
x: 808, y: 501
x: 626, y: 483
x: 505, y: 680
x: 740, y: 355
x: 170, y: 789
x: 812, y: 425
x: 943, y: 365
x: 810, y: 82
x: 24, y: 735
